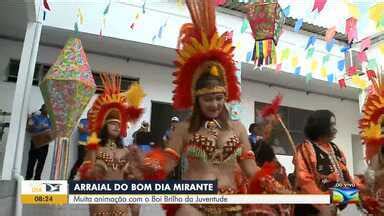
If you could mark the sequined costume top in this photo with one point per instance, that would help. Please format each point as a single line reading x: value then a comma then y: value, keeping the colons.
x: 208, y: 148
x: 202, y: 148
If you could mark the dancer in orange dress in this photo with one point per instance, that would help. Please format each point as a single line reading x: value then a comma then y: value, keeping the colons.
x: 319, y: 163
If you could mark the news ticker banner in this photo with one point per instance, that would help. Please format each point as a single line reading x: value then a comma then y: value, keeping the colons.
x: 164, y: 192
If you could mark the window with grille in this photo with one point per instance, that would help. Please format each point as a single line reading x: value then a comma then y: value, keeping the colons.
x: 294, y: 119
x: 125, y: 82
x: 42, y: 69
x: 13, y: 71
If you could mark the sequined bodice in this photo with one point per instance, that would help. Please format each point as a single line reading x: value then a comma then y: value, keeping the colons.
x: 110, y: 162
x: 202, y: 148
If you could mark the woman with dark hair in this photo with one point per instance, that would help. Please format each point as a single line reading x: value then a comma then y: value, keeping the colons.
x: 264, y: 153
x: 113, y: 162
x: 319, y: 163
x: 110, y: 144
x: 217, y: 148
x: 107, y: 158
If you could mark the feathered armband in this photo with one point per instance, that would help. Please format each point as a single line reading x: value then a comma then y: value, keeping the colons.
x: 155, y: 163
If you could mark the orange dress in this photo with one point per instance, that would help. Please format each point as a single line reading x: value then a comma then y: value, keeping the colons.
x: 319, y: 167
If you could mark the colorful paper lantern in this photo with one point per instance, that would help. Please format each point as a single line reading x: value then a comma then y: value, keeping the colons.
x: 67, y: 88
x: 266, y: 19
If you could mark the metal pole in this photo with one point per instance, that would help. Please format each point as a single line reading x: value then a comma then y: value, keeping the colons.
x: 15, y: 143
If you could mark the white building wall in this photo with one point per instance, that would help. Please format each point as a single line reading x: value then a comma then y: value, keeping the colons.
x: 157, y: 83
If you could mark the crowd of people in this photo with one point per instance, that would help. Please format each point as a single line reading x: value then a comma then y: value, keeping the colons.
x: 214, y: 146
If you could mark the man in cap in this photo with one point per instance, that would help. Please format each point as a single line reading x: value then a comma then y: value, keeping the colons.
x: 143, y: 137
x: 256, y: 131
x: 39, y: 126
x: 174, y: 121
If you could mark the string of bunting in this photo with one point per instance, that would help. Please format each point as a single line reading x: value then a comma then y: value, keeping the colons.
x: 80, y: 18
x: 46, y: 8
x: 104, y: 19
x: 350, y: 73
x: 343, y: 72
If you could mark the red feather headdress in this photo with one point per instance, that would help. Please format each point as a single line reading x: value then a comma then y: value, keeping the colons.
x: 372, y: 122
x: 202, y: 50
x: 112, y: 104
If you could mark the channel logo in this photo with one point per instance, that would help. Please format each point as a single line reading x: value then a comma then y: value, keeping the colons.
x: 49, y: 187
x: 45, y: 186
x: 44, y: 192
x: 345, y: 195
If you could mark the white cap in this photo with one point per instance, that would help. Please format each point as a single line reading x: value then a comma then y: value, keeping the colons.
x: 175, y: 119
x: 144, y: 124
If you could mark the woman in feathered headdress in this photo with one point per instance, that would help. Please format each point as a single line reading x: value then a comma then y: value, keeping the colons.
x: 107, y: 158
x: 216, y: 147
x: 372, y: 134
